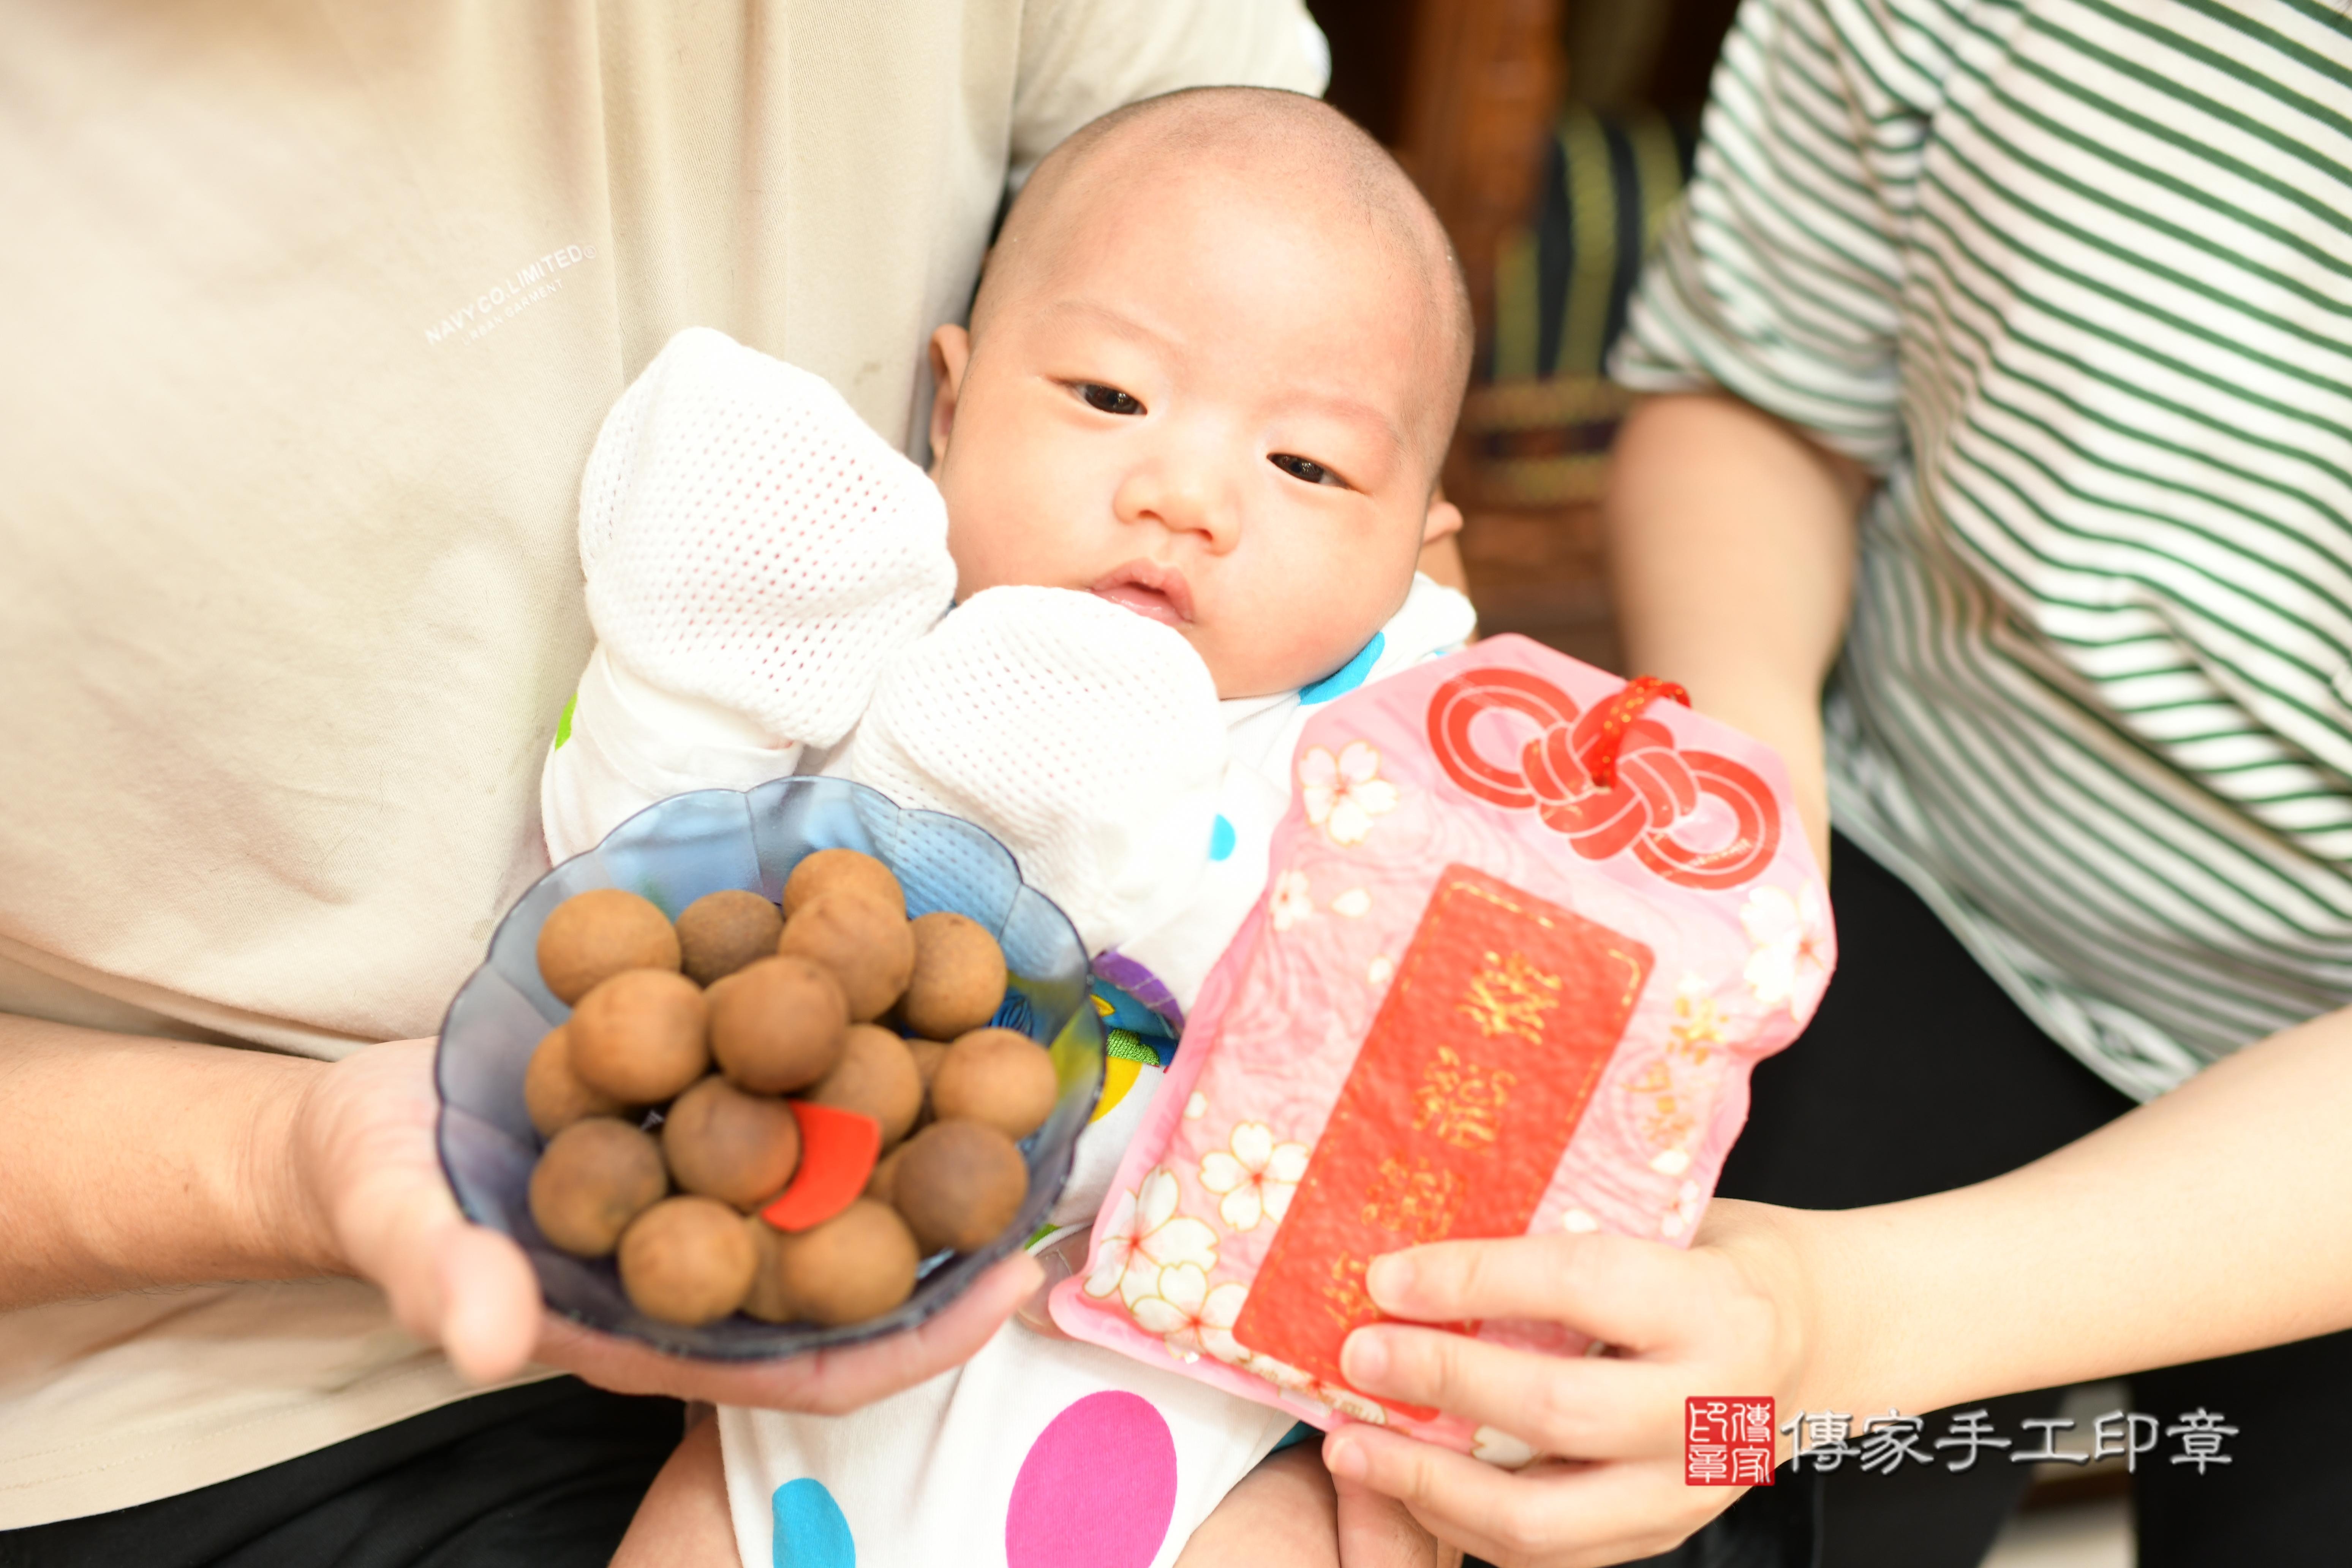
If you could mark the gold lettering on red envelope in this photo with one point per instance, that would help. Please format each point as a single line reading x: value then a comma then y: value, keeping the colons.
x: 1477, y: 1070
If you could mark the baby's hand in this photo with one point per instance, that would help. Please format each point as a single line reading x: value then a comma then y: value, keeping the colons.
x: 1085, y: 737
x: 750, y: 542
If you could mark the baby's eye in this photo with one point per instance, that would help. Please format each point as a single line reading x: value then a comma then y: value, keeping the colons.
x: 1109, y: 399
x: 1306, y: 468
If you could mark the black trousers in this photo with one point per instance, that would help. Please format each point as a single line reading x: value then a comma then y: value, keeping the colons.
x: 545, y: 1476
x: 1919, y: 1074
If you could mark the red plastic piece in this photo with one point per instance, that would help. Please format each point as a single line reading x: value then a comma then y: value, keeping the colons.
x: 838, y: 1150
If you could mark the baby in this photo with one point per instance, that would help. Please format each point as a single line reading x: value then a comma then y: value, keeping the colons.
x: 1185, y: 457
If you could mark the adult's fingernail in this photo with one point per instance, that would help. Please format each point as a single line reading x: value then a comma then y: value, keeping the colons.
x: 1344, y: 1457
x: 1364, y: 1358
x: 1390, y: 1279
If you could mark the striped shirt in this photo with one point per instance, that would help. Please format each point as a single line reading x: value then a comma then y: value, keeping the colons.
x: 2075, y: 278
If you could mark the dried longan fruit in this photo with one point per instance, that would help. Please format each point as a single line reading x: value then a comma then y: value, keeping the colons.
x: 553, y: 1093
x: 767, y: 1300
x: 857, y: 1265
x: 876, y: 1077
x: 777, y: 1025
x: 687, y: 1261
x: 842, y: 870
x: 726, y: 1144
x: 1001, y: 1076
x: 882, y: 1184
x: 592, y: 936
x: 640, y: 1036
x: 595, y: 1176
x: 928, y: 1054
x: 959, y: 979
x: 869, y: 948
x: 720, y: 932
x: 959, y: 1183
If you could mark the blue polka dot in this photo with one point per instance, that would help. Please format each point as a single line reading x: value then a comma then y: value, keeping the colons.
x: 1220, y: 839
x: 810, y: 1530
x: 1348, y: 676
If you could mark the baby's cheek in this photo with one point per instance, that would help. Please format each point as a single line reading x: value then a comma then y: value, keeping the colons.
x: 999, y: 546
x: 975, y: 549
x: 1332, y: 619
x: 1279, y: 650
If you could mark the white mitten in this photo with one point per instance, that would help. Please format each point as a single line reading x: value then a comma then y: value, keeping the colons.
x: 754, y: 553
x: 1084, y: 736
x: 749, y: 541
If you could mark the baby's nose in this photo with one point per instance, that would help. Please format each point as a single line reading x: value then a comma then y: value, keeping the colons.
x: 1185, y: 496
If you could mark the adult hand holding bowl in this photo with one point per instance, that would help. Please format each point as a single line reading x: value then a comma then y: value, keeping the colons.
x: 364, y: 1137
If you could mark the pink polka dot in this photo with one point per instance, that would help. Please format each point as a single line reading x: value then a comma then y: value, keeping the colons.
x: 1096, y: 1490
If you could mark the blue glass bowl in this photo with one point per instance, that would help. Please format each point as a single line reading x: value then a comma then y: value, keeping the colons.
x: 673, y: 853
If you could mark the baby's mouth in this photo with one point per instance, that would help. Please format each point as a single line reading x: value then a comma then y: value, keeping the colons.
x: 1155, y: 592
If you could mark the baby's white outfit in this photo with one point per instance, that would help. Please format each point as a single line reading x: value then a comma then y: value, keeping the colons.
x: 770, y: 585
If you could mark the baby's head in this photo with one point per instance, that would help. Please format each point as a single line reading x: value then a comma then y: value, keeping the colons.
x: 1212, y: 371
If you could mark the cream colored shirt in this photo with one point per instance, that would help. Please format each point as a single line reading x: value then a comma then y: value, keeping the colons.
x: 312, y: 310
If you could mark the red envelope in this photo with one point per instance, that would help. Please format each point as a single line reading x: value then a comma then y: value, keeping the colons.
x: 1477, y: 1068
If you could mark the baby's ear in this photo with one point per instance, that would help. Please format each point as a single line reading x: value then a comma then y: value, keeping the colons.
x: 1444, y: 517
x: 950, y: 352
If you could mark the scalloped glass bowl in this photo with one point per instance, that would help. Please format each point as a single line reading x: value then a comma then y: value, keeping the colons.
x: 673, y: 853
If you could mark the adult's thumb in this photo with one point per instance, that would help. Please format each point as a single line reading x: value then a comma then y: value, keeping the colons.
x: 489, y: 1303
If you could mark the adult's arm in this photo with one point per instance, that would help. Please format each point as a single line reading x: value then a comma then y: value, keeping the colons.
x: 2208, y: 1222
x: 139, y: 1162
x: 1731, y: 541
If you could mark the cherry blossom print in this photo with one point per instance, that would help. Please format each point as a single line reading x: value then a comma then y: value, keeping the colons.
x: 1351, y: 1405
x: 1190, y: 1316
x: 1690, y: 1201
x: 1280, y: 1373
x: 1146, y: 1235
x: 1255, y: 1177
x: 1789, y: 962
x: 1294, y: 902
x: 1342, y: 794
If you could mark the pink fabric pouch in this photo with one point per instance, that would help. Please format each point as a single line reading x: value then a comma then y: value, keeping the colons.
x: 1527, y: 928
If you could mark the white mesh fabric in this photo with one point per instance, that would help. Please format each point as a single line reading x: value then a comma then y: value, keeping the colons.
x: 749, y: 541
x: 1085, y: 737
x: 632, y: 745
x: 611, y: 461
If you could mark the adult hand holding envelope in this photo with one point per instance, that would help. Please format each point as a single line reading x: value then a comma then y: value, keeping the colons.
x: 1716, y: 1318
x: 2149, y: 1228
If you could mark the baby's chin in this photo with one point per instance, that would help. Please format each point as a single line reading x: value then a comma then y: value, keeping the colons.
x: 1252, y: 674
x: 1241, y: 669
x: 1241, y: 666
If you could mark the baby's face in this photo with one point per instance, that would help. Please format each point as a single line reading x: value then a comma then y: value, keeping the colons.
x: 1216, y: 407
